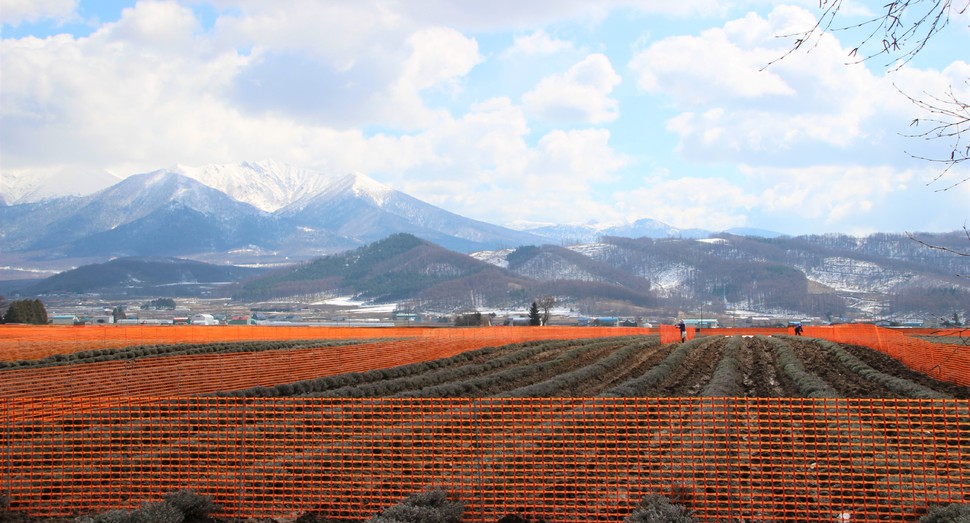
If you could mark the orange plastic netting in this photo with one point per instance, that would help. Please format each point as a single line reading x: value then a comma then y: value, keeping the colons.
x: 946, y: 362
x: 94, y: 436
x: 564, y: 460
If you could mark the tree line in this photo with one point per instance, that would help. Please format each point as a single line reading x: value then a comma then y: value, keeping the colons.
x: 23, y: 311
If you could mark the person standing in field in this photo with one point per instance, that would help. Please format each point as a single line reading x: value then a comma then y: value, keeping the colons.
x: 798, y: 329
x: 683, y: 331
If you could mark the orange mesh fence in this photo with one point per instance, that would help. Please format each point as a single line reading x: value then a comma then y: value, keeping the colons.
x: 189, y: 375
x: 946, y: 362
x: 942, y: 331
x: 27, y: 342
x: 23, y: 342
x: 565, y: 460
x: 671, y: 333
x: 744, y: 331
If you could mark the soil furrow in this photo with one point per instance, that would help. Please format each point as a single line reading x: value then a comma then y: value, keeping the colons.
x: 689, y: 378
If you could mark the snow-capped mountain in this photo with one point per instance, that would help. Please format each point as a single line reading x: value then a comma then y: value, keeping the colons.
x: 267, y: 185
x: 361, y: 208
x: 281, y: 215
x: 590, y: 232
x: 17, y: 188
x: 650, y: 228
x: 151, y: 213
x: 168, y: 213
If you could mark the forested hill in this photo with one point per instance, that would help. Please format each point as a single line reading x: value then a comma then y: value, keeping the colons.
x: 399, y: 267
x: 822, y: 276
x: 144, y: 276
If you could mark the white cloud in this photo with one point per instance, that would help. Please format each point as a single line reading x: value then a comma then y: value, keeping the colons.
x: 152, y: 90
x: 857, y: 198
x: 581, y: 156
x: 831, y: 193
x: 481, y: 165
x: 337, y: 33
x: 538, y: 43
x: 156, y: 27
x: 794, y: 200
x: 439, y: 56
x: 688, y: 202
x: 580, y: 94
x: 15, y: 12
x: 719, y: 64
x: 516, y: 14
x: 117, y: 97
x: 804, y: 107
x: 343, y: 64
x: 406, y: 92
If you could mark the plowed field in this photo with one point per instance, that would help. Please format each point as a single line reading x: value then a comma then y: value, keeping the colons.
x: 753, y: 428
x: 615, y: 367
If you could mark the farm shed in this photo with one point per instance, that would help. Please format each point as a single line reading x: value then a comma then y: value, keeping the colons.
x: 701, y: 323
x: 64, y: 319
x: 203, y: 319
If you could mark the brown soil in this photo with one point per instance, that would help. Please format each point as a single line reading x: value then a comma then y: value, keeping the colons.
x: 640, y: 363
x: 587, y: 358
x: 760, y: 371
x: 689, y: 378
x: 848, y: 383
x: 888, y: 365
x: 762, y: 376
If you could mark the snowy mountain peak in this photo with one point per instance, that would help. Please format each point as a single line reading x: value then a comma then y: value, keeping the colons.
x: 33, y: 186
x: 267, y: 185
x: 365, y: 186
x: 143, y: 193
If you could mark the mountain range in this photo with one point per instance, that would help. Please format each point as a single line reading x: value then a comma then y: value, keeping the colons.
x: 352, y: 235
x: 255, y: 213
x: 167, y: 213
x: 833, y: 277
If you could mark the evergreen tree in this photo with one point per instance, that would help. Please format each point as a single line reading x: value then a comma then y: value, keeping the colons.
x: 26, y: 311
x: 14, y: 313
x: 40, y: 313
x: 535, y: 318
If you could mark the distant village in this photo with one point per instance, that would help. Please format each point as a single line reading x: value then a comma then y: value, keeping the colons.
x: 214, y: 312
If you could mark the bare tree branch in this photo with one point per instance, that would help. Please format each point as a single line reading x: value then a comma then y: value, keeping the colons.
x: 900, y: 32
x: 943, y: 248
x: 949, y: 119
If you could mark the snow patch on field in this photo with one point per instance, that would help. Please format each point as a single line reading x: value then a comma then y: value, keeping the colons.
x: 356, y: 306
x: 384, y: 308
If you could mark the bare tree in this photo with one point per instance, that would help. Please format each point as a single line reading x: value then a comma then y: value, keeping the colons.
x: 546, y: 303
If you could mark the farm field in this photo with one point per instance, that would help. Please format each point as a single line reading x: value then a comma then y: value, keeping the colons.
x: 567, y: 425
x: 639, y: 366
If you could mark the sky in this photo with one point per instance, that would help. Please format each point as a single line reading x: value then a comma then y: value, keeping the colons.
x: 548, y: 111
